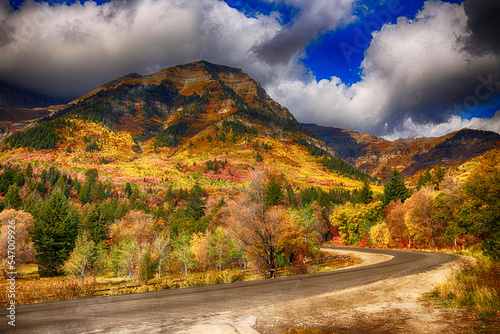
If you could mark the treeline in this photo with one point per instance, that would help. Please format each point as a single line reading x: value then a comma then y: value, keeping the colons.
x: 440, y: 212
x: 140, y: 231
x: 44, y: 136
x: 333, y: 163
x: 80, y: 224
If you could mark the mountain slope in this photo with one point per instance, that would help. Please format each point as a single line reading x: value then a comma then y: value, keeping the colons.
x: 20, y: 108
x: 462, y: 146
x: 378, y: 156
x: 14, y: 97
x: 191, y: 123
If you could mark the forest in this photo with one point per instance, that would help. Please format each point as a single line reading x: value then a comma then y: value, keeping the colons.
x: 140, y: 232
x: 81, y: 225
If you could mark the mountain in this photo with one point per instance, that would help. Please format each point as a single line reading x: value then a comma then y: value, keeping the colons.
x: 19, y: 108
x: 14, y: 97
x: 377, y: 156
x: 193, y: 123
x: 200, y: 92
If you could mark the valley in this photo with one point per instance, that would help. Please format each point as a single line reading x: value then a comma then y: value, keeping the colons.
x: 195, y: 172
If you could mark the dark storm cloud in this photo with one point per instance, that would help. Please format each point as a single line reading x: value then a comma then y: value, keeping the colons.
x: 483, y: 22
x: 70, y: 50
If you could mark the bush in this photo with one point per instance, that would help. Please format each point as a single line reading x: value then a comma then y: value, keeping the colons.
x: 475, y: 286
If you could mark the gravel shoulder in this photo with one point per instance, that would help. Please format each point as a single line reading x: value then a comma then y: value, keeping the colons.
x: 388, y: 306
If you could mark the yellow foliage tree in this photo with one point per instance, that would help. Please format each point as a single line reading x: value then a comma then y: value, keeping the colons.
x: 380, y: 234
x: 23, y: 225
x: 135, y: 232
x: 354, y: 221
x: 422, y: 227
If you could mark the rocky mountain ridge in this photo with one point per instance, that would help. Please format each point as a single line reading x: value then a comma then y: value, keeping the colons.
x: 377, y: 156
x: 175, y: 110
x: 189, y: 121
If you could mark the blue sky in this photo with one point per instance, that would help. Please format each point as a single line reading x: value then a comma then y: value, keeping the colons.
x: 387, y: 67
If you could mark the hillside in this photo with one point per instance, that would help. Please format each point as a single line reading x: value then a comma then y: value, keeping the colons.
x: 193, y: 123
x: 378, y: 156
x: 20, y: 108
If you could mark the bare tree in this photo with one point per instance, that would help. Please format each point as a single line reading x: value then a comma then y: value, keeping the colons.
x: 258, y: 226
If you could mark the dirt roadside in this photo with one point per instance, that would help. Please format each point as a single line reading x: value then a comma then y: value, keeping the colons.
x: 390, y: 306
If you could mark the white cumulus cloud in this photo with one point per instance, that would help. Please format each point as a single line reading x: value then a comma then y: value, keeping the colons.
x: 412, y: 70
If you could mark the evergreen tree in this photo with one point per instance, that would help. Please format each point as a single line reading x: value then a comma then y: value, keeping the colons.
x: 54, y: 233
x: 324, y: 199
x: 366, y: 194
x: 273, y: 194
x: 92, y: 175
x: 128, y: 190
x: 12, y: 199
x: 108, y: 211
x: 308, y: 195
x: 62, y: 186
x: 41, y: 187
x: 97, y: 192
x: 395, y: 188
x: 196, y: 205
x: 84, y: 195
x: 19, y: 178
x: 169, y: 197
x: 424, y: 179
x: 29, y: 171
x: 54, y: 175
x: 6, y: 179
x: 438, y: 176
x: 94, y: 224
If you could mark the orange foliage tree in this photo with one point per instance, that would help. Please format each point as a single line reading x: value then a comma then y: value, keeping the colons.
x: 394, y: 214
x: 258, y: 226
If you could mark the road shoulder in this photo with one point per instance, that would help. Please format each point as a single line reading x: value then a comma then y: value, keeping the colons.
x: 388, y: 306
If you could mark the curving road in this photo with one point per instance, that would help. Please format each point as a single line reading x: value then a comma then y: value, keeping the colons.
x: 171, y: 307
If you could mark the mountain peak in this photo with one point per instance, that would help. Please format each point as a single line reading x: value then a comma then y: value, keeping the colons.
x: 211, y: 67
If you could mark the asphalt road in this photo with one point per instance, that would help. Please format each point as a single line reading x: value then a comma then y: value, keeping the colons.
x: 102, y: 314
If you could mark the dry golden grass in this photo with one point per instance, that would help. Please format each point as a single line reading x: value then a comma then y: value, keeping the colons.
x: 475, y: 286
x: 30, y: 288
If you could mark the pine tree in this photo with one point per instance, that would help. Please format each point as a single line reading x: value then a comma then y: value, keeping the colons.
x: 92, y: 175
x: 12, y: 199
x: 424, y: 179
x: 366, y: 194
x: 196, y: 205
x: 6, y: 179
x: 128, y: 190
x: 54, y: 233
x: 273, y: 194
x: 97, y: 192
x: 395, y: 188
x: 84, y: 195
x: 95, y: 225
x: 438, y: 177
x: 169, y: 197
x: 29, y: 171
